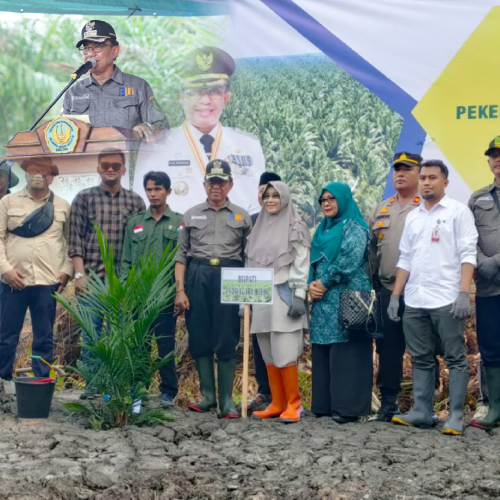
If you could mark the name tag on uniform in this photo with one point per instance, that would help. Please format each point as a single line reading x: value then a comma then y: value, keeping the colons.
x: 179, y: 163
x: 488, y: 197
x: 198, y: 217
x: 80, y: 97
x: 138, y: 229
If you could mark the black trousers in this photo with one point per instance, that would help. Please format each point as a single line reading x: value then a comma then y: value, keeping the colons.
x: 164, y: 331
x: 260, y: 369
x: 342, y: 377
x: 13, y: 307
x: 488, y: 330
x: 391, y: 347
x: 213, y: 328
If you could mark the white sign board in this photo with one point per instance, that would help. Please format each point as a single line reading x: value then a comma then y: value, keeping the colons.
x: 245, y: 285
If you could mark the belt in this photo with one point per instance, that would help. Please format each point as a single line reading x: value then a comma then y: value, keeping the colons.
x: 216, y: 262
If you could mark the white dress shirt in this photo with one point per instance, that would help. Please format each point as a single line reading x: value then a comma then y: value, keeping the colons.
x: 434, y: 245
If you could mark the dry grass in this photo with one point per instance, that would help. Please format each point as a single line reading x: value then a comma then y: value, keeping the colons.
x: 67, y: 351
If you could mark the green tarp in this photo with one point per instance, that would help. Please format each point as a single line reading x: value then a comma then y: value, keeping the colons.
x: 95, y: 8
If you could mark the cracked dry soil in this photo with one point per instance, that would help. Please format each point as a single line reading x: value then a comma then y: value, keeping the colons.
x: 200, y: 457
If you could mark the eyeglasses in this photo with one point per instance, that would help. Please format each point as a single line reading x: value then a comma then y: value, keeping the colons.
x: 328, y: 201
x: 95, y: 48
x: 216, y: 92
x: 115, y: 166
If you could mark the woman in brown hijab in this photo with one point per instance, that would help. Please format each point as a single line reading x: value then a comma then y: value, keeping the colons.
x: 280, y: 240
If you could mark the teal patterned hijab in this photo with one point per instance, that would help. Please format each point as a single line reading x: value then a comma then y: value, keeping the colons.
x: 327, y: 239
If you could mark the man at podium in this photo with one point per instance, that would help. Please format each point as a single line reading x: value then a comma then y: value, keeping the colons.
x: 110, y: 97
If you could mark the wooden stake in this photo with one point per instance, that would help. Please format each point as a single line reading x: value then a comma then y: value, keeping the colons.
x: 246, y: 356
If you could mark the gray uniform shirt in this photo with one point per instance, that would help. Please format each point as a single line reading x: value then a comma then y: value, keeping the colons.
x: 209, y: 233
x: 487, y: 219
x: 123, y: 101
x: 387, y: 222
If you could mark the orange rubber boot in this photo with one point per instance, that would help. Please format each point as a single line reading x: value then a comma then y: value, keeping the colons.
x: 278, y: 403
x: 290, y: 376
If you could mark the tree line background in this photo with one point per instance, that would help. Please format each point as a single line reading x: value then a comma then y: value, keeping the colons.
x: 316, y: 123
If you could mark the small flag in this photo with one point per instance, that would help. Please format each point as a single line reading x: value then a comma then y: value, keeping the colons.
x: 138, y: 229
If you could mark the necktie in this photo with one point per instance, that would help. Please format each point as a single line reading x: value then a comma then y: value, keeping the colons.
x: 207, y: 141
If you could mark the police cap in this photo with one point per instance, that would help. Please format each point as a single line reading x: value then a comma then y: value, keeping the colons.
x: 208, y: 66
x: 97, y: 31
x: 408, y: 159
x: 218, y: 169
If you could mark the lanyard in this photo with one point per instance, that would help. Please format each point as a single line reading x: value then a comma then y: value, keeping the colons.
x: 197, y: 153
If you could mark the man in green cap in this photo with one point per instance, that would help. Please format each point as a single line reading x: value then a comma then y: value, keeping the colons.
x: 8, y: 179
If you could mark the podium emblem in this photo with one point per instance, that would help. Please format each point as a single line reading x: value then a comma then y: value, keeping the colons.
x: 61, y: 135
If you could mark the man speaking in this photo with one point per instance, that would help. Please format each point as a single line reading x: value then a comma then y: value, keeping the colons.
x: 108, y: 96
x: 201, y: 138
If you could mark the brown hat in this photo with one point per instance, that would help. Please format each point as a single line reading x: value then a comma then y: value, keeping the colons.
x: 44, y: 162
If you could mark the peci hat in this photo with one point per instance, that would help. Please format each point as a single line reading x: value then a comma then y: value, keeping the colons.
x: 493, y: 146
x: 97, y: 31
x: 268, y: 177
x: 408, y: 159
x: 46, y: 162
x: 218, y: 169
x: 208, y: 66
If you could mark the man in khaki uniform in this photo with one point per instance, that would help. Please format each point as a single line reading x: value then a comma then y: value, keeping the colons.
x: 32, y: 268
x: 387, y: 221
x: 214, y: 235
x: 485, y: 206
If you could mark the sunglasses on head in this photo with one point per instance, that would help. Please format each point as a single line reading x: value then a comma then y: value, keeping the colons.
x: 115, y: 166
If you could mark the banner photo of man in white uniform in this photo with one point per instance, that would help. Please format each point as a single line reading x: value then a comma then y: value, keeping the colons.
x: 205, y: 91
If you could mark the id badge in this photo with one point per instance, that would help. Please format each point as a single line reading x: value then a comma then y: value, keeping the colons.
x: 435, y: 234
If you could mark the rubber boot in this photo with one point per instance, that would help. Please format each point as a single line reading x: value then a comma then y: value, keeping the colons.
x: 423, y: 401
x: 290, y: 376
x: 458, y: 390
x: 205, y: 367
x: 226, y: 381
x: 388, y: 407
x: 492, y: 418
x: 278, y: 403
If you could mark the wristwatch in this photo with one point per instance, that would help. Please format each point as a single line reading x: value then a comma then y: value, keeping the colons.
x: 79, y: 275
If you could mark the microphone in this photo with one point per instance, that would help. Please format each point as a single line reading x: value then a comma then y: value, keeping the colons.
x: 84, y: 68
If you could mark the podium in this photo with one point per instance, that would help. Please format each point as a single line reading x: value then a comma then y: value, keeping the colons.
x: 73, y: 146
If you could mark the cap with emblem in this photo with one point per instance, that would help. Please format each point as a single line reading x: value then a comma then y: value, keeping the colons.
x: 493, y: 147
x: 268, y: 177
x: 97, y: 31
x: 408, y: 159
x: 218, y: 169
x: 208, y: 66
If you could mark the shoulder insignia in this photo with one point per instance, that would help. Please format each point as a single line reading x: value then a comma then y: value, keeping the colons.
x: 244, y: 132
x: 416, y: 199
x: 392, y: 200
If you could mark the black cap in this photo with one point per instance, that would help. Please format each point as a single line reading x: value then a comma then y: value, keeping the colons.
x: 268, y: 177
x: 218, y: 169
x: 97, y: 31
x: 408, y: 159
x: 494, y: 146
x: 208, y: 66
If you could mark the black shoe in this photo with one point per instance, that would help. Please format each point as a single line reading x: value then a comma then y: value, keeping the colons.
x: 344, y: 420
x: 388, y: 409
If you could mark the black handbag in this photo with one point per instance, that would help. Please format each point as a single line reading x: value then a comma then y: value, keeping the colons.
x: 38, y: 221
x: 360, y: 311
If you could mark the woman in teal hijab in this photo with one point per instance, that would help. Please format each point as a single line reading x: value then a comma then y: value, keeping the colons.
x: 342, y: 368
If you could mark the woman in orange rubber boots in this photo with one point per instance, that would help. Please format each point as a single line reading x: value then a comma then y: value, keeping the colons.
x: 281, y: 240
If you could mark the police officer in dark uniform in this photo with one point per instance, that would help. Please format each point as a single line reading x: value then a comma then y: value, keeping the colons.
x: 387, y: 222
x: 213, y: 236
x: 112, y: 98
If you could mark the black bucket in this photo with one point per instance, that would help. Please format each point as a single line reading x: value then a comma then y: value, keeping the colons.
x: 34, y: 398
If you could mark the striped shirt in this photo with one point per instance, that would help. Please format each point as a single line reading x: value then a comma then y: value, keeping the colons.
x: 111, y: 213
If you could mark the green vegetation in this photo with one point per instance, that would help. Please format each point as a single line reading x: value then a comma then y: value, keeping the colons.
x: 120, y: 365
x: 316, y: 125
